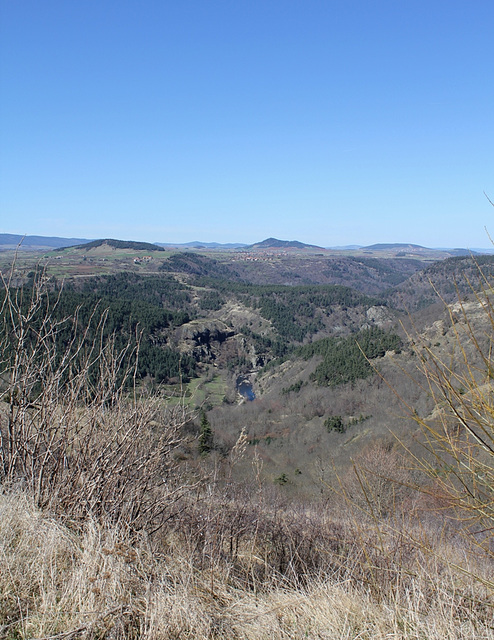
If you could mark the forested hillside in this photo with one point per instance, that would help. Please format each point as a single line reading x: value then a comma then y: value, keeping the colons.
x: 445, y: 279
x: 150, y: 309
x: 370, y: 275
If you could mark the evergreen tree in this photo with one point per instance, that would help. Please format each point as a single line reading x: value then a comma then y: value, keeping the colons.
x: 206, y: 435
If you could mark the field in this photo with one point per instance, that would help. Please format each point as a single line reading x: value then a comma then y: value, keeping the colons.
x: 74, y: 262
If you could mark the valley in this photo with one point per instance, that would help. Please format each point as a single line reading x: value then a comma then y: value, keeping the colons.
x: 290, y: 323
x: 217, y: 431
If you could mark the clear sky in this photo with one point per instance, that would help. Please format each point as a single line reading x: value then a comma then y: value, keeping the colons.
x: 331, y: 122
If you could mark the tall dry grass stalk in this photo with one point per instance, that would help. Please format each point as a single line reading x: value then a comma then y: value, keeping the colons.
x: 449, y: 479
x: 435, y: 502
x: 459, y: 435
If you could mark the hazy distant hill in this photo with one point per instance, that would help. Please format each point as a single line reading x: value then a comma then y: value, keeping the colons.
x: 464, y: 252
x: 274, y: 243
x: 346, y: 247
x: 407, y: 248
x: 393, y: 245
x: 118, y: 244
x: 31, y: 243
x: 202, y: 245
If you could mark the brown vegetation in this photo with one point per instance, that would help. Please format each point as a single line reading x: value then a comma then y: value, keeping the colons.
x: 105, y: 533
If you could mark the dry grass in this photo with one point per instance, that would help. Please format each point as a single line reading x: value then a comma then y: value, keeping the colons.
x: 57, y: 583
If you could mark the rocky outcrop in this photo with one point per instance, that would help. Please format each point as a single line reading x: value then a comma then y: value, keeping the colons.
x: 205, y: 331
x: 379, y: 316
x: 203, y: 339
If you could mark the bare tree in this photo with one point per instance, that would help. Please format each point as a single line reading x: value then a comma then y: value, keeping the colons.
x: 73, y: 428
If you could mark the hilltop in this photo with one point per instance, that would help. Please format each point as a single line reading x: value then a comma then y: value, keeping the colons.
x: 117, y: 244
x: 274, y: 243
x: 395, y: 245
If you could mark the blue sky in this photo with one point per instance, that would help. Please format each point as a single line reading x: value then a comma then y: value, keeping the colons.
x: 329, y: 122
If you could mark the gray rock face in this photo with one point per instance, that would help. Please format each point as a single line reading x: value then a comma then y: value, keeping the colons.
x: 379, y: 316
x: 203, y: 339
x: 205, y: 331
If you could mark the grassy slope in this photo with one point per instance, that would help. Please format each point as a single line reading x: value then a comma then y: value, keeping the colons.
x: 95, y: 583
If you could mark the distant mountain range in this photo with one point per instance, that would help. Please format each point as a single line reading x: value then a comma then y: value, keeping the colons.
x: 202, y: 245
x: 31, y: 243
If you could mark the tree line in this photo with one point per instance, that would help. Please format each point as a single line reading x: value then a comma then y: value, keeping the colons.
x: 346, y: 359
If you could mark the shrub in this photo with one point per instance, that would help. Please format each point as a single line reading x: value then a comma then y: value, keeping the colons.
x: 459, y: 435
x: 335, y: 423
x: 73, y: 429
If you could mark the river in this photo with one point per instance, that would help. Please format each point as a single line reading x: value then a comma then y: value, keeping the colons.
x: 244, y: 387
